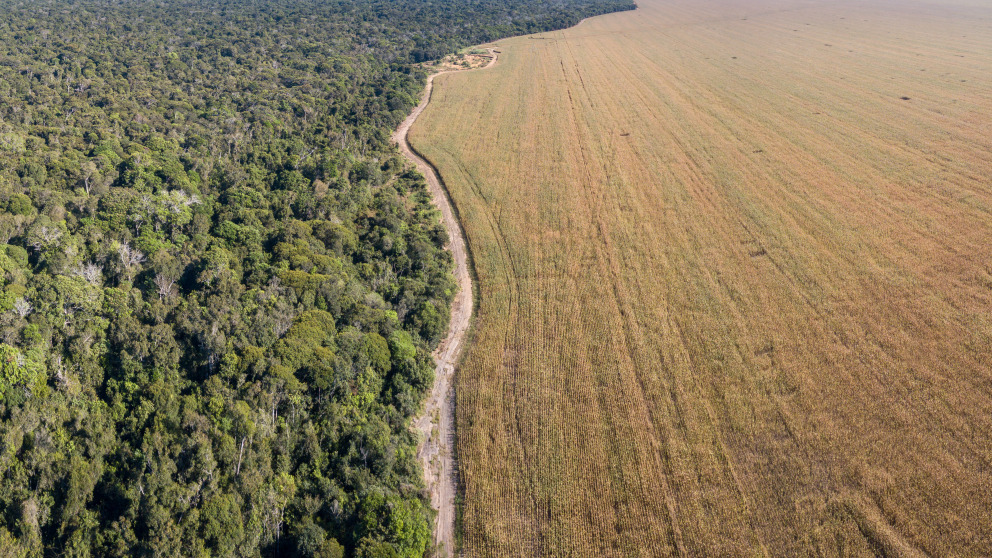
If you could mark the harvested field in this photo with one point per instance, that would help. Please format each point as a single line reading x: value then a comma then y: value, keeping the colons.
x: 734, y: 264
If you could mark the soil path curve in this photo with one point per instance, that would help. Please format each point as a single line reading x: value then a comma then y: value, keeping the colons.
x: 436, y: 423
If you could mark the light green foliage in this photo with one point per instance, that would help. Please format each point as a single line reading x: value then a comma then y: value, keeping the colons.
x: 21, y: 375
x: 401, y: 346
x: 396, y: 521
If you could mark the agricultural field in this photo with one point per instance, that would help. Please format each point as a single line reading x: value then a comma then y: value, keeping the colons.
x: 734, y: 265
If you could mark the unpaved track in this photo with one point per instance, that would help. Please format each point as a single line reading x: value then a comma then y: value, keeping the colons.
x: 437, y: 437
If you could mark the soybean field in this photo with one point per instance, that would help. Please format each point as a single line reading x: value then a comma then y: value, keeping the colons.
x: 734, y: 265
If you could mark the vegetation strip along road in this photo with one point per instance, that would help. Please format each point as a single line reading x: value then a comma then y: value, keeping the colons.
x: 436, y: 423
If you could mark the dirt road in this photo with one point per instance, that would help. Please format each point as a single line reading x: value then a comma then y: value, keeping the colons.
x: 436, y: 424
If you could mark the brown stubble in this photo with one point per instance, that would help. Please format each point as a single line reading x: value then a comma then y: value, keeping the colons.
x: 728, y: 305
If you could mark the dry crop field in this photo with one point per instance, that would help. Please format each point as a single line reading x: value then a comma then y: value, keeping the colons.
x: 735, y: 273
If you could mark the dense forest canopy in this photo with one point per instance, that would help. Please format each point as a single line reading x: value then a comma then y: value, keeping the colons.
x: 220, y: 283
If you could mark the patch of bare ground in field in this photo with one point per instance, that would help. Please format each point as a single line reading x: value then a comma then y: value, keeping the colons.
x: 469, y: 59
x: 735, y: 272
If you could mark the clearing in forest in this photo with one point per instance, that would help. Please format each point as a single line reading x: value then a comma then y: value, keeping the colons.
x: 734, y: 262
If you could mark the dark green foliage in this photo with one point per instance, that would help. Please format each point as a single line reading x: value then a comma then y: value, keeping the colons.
x: 220, y: 287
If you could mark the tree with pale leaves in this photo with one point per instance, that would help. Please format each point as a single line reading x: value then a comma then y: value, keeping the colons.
x: 22, y: 307
x: 131, y: 258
